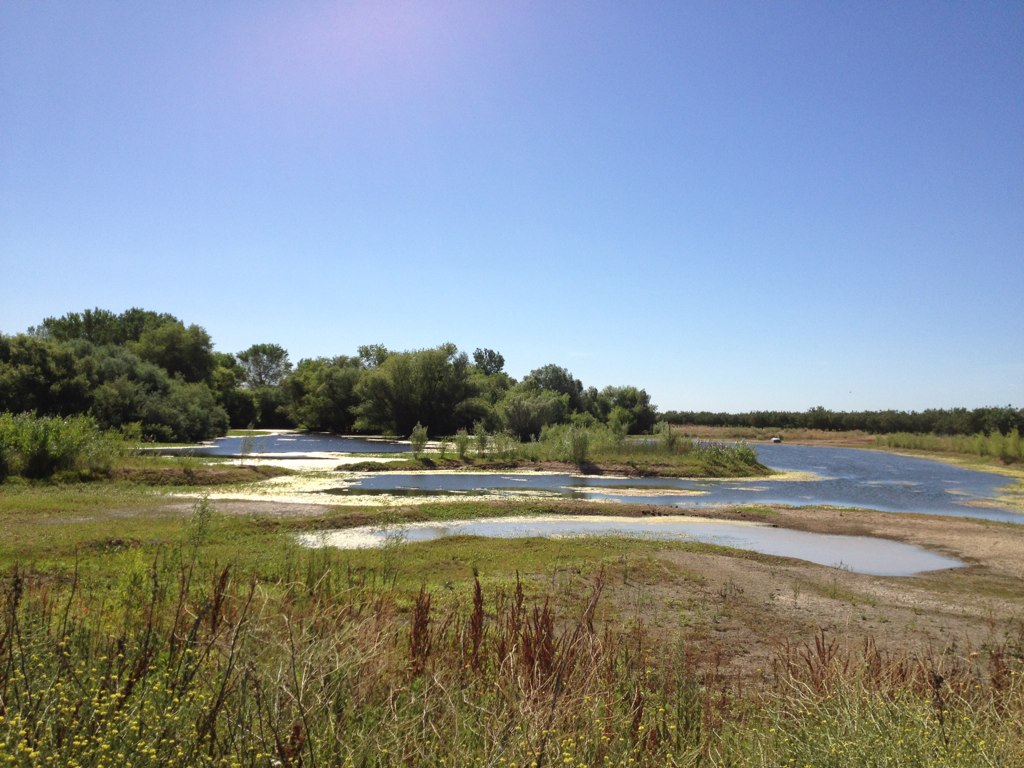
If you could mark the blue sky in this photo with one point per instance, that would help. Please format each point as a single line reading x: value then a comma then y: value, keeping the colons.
x: 734, y: 205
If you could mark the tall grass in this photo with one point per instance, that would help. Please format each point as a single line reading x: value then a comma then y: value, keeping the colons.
x: 601, y: 444
x: 1007, y: 448
x: 179, y: 662
x: 39, y: 447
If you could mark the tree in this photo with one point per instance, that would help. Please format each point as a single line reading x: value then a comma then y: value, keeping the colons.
x: 488, y: 361
x: 633, y: 403
x: 263, y: 365
x: 430, y: 386
x: 185, y: 352
x: 525, y: 413
x: 554, y: 378
x: 373, y: 355
x: 320, y: 394
x: 101, y: 326
x: 44, y: 376
x: 418, y: 439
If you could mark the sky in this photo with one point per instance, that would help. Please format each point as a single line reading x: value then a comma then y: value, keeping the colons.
x: 734, y: 205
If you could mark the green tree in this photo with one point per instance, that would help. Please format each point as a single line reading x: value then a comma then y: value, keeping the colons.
x: 45, y: 376
x: 429, y: 386
x: 373, y: 355
x: 634, y: 402
x: 185, y: 352
x: 488, y: 361
x: 554, y: 378
x: 462, y: 443
x: 101, y: 326
x: 526, y: 412
x: 418, y: 439
x: 320, y: 394
x: 263, y: 365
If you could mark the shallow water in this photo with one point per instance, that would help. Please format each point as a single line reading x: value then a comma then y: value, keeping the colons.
x: 846, y: 477
x: 297, y: 444
x: 860, y: 554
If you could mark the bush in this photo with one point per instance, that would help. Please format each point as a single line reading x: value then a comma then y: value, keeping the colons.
x: 578, y: 445
x: 669, y: 439
x: 462, y: 443
x: 481, y: 438
x: 37, y: 447
x: 418, y: 438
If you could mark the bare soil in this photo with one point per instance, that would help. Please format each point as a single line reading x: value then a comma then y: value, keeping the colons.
x: 746, y: 606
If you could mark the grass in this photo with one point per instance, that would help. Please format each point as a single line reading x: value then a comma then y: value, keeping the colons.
x: 139, y: 631
x: 1008, y: 449
x: 308, y: 660
x: 597, y: 453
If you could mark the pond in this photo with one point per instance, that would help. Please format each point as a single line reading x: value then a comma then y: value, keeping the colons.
x: 844, y: 477
x: 299, y: 444
x: 860, y: 554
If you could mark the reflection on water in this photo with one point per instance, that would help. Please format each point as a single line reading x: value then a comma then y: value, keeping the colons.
x: 861, y: 554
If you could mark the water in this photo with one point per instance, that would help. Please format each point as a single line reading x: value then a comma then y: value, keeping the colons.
x: 297, y: 445
x: 861, y: 554
x: 846, y: 477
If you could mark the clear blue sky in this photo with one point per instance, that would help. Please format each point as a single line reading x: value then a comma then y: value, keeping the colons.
x: 733, y: 205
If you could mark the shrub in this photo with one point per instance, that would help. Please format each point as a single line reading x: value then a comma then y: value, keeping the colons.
x: 481, y: 437
x: 462, y: 443
x: 578, y: 445
x: 669, y: 439
x: 418, y: 438
x: 37, y: 447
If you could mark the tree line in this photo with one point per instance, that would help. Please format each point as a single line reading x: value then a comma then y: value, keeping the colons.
x: 938, y: 421
x: 150, y: 372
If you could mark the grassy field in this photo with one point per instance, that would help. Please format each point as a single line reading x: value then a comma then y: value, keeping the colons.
x: 143, y: 625
x: 138, y: 631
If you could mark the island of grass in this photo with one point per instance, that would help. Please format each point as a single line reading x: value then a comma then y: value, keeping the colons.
x: 594, y: 450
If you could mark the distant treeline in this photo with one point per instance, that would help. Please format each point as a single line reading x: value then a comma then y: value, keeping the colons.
x: 938, y: 421
x: 151, y: 373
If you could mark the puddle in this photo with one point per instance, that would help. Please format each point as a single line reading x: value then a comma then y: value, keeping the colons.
x: 860, y: 554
